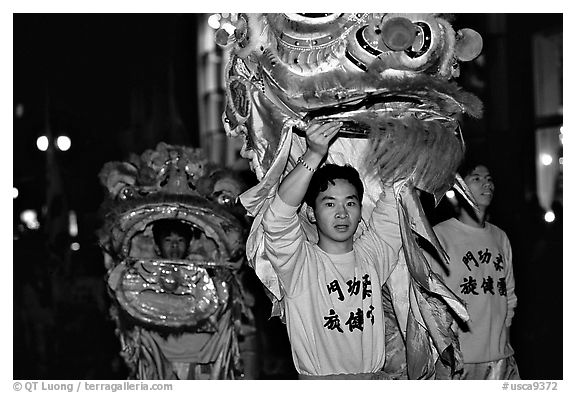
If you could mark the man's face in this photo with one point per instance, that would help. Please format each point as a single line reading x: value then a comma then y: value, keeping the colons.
x: 338, y: 211
x: 173, y: 246
x: 480, y: 183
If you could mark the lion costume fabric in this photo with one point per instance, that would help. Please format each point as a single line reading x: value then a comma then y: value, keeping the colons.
x: 188, y: 309
x: 390, y: 79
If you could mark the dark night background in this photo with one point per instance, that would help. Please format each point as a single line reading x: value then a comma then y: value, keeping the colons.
x: 82, y: 73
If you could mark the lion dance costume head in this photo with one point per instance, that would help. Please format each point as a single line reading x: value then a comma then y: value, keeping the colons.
x: 390, y: 79
x: 172, y: 311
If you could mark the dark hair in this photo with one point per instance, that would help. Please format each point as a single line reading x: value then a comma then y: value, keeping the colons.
x: 165, y: 227
x: 468, y: 166
x: 326, y: 175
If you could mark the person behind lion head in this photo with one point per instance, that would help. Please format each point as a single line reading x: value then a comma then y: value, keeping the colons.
x: 172, y: 238
x: 331, y: 289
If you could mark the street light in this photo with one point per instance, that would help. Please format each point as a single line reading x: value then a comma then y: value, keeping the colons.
x: 549, y: 216
x: 42, y: 143
x: 63, y: 142
x: 30, y: 218
x: 546, y: 159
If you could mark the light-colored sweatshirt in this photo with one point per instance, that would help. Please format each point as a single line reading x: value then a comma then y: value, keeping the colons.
x: 480, y: 273
x: 333, y: 303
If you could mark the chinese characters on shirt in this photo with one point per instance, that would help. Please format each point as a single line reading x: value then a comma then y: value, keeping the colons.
x: 471, y: 286
x: 357, y: 318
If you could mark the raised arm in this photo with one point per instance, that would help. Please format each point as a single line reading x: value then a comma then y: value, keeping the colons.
x: 283, y: 236
x: 294, y: 186
x: 382, y: 240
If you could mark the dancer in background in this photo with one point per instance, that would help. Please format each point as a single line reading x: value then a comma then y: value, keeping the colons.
x: 480, y: 272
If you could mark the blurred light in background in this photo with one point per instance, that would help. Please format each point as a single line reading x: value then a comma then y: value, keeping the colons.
x: 19, y: 111
x: 450, y: 194
x: 42, y: 143
x: 548, y: 167
x: 72, y: 224
x: 63, y: 143
x: 546, y: 159
x: 75, y: 246
x: 30, y: 218
x: 547, y: 71
x: 14, y: 193
x: 214, y: 21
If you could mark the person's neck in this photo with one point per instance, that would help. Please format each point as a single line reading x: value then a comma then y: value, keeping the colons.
x: 473, y: 220
x: 332, y: 247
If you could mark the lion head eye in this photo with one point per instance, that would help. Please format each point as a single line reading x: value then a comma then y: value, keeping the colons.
x: 224, y: 198
x: 126, y: 193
